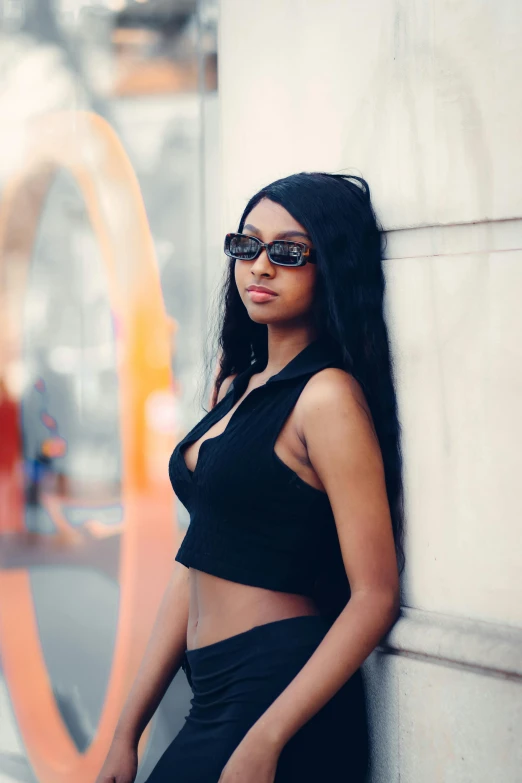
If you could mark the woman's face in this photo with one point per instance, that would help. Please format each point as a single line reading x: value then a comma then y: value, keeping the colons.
x: 294, y: 287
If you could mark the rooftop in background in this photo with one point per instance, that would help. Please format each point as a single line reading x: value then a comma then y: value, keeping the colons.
x: 160, y: 45
x: 167, y: 16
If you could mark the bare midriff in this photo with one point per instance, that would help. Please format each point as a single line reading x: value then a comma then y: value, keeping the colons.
x: 219, y: 608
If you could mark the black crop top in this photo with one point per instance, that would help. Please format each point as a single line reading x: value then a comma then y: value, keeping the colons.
x: 253, y: 520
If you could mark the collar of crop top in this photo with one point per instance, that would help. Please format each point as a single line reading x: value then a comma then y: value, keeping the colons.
x: 320, y: 353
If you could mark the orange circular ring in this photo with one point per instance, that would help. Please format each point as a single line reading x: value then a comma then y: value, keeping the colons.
x: 86, y: 146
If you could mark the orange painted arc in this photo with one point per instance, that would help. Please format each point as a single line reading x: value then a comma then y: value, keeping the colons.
x: 86, y: 146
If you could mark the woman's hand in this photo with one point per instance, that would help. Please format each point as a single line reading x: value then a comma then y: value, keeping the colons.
x: 253, y: 761
x: 121, y: 764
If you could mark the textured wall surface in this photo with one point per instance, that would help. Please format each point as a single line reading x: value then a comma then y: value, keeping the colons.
x: 422, y: 99
x: 445, y: 701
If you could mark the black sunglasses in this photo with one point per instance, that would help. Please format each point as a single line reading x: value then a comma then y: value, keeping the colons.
x: 281, y: 251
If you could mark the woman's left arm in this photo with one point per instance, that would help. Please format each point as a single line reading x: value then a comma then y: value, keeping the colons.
x: 337, y: 429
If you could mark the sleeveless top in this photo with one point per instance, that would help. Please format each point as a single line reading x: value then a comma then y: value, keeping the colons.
x: 253, y: 520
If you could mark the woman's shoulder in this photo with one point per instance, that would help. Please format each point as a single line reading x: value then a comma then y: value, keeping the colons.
x: 334, y: 381
x: 225, y: 386
x: 333, y: 389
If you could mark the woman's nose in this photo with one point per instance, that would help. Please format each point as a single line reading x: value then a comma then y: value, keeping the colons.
x: 262, y: 261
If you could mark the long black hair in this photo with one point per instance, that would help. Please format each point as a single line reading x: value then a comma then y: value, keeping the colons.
x: 348, y: 306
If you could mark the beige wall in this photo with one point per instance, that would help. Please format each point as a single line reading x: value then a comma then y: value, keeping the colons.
x: 423, y: 100
x: 422, y: 97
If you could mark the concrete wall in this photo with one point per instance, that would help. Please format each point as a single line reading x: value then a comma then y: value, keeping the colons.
x: 423, y: 100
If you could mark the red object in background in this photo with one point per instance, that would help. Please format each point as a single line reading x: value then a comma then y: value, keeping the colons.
x: 10, y: 442
x: 11, y: 485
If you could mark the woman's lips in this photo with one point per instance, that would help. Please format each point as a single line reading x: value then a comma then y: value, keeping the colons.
x: 260, y: 296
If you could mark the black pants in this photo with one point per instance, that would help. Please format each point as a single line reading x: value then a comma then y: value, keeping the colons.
x: 235, y: 680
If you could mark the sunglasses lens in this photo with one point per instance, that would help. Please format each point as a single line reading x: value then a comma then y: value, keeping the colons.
x: 242, y: 246
x: 286, y: 253
x: 247, y: 248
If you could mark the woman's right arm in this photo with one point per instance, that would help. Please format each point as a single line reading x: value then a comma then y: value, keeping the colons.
x: 162, y: 657
x: 161, y: 661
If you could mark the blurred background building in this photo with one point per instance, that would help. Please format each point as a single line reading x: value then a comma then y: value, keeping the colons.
x: 121, y: 165
x: 98, y: 99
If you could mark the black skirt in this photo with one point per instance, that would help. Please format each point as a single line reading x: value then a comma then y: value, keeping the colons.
x: 235, y: 680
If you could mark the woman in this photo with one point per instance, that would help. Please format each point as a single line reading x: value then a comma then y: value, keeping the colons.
x: 288, y: 575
